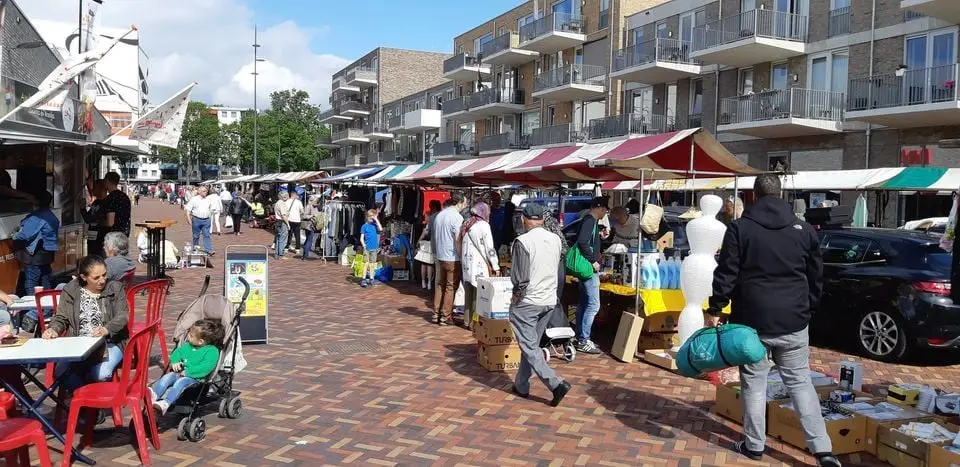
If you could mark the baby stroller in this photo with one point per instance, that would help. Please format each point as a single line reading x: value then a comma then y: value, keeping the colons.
x: 557, y: 339
x: 218, y: 385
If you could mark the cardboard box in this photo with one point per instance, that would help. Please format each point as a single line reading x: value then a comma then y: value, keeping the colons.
x: 498, y: 357
x: 401, y: 275
x: 783, y: 423
x: 898, y: 458
x: 628, y: 334
x: 493, y: 297
x: 888, y: 436
x: 903, y: 394
x: 665, y: 321
x: 657, y: 340
x: 728, y: 402
x: 494, y: 332
x: 882, y: 413
x: 660, y: 358
x: 776, y: 389
x: 940, y: 457
x: 395, y: 262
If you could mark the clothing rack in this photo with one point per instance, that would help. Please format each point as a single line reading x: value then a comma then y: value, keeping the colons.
x: 324, y: 235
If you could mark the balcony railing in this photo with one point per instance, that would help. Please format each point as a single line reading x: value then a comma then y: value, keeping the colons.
x: 395, y: 122
x: 839, y: 22
x: 356, y: 106
x: 754, y: 23
x: 912, y: 15
x: 655, y: 50
x: 326, y: 114
x: 369, y: 74
x: 503, y: 141
x: 915, y: 87
x: 459, y: 61
x: 555, y: 134
x: 458, y: 104
x: 556, y: 22
x: 570, y: 74
x: 347, y: 133
x: 604, y: 20
x: 454, y: 148
x: 355, y: 159
x: 782, y: 103
x: 695, y: 121
x: 495, y: 96
x: 325, y: 138
x: 629, y: 124
x: 510, y: 40
x: 372, y: 128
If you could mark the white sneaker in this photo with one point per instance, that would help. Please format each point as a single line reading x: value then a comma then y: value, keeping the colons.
x: 161, y: 406
x: 153, y: 395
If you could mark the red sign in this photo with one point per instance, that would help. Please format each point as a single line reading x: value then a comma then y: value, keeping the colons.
x: 911, y: 157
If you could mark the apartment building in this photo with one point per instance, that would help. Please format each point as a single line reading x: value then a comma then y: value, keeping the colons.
x: 359, y: 94
x: 534, y: 76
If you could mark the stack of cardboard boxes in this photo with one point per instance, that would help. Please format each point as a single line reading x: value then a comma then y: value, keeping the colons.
x: 497, y: 348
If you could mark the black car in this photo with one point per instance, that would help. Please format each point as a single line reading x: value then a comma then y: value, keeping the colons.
x: 886, y: 290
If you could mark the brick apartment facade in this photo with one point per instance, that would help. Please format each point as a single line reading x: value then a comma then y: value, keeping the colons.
x: 359, y: 126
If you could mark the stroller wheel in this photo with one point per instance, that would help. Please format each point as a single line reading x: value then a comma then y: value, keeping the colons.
x: 546, y: 353
x: 234, y: 408
x: 198, y: 430
x: 222, y: 412
x: 182, y: 432
x: 569, y: 352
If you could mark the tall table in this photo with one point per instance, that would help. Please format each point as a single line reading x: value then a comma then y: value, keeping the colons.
x: 156, y: 235
x: 64, y: 350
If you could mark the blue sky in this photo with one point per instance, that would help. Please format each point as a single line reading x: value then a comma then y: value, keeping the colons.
x: 353, y: 31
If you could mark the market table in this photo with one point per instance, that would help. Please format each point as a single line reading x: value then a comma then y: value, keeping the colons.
x: 40, y: 352
x: 156, y: 235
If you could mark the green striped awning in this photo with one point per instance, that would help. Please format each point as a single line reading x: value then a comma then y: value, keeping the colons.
x: 915, y: 178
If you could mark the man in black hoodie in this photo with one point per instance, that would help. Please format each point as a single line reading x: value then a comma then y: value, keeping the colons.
x: 770, y: 267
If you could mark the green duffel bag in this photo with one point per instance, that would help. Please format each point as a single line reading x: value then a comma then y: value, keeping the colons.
x: 578, y: 265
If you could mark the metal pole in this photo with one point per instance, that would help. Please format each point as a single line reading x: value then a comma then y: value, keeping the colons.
x: 256, y: 110
x: 693, y: 173
x: 633, y: 270
x: 736, y: 188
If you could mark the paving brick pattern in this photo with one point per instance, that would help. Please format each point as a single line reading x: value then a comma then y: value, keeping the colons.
x: 354, y: 376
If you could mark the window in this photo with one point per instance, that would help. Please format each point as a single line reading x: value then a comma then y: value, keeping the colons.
x: 696, y: 97
x: 930, y: 59
x: 578, y: 55
x: 551, y: 114
x: 566, y: 7
x: 530, y: 120
x: 778, y: 76
x: 153, y: 172
x: 233, y: 114
x: 478, y: 42
x: 604, y: 14
x: 525, y: 20
x: 828, y: 72
x: 500, y: 31
x: 778, y: 161
x: 844, y: 249
x: 662, y: 31
x: 686, y: 27
x: 636, y: 36
x: 643, y: 101
x: 745, y: 84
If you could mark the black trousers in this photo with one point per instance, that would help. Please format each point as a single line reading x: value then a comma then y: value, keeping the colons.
x: 237, y: 219
x: 295, y: 234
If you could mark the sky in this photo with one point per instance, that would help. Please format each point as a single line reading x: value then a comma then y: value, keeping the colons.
x: 303, y: 41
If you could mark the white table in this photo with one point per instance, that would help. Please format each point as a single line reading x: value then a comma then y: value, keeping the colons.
x: 40, y: 352
x: 29, y: 302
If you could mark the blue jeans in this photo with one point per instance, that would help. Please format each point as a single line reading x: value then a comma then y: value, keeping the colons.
x: 308, y: 243
x: 173, y: 384
x: 37, y: 276
x: 588, y: 306
x: 281, y: 238
x: 100, y: 371
x: 201, y: 228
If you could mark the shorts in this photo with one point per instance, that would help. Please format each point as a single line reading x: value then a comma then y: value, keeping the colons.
x: 370, y: 256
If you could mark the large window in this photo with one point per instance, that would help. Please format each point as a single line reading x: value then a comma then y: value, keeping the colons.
x: 930, y: 60
x: 778, y: 76
x: 696, y: 97
x: 745, y: 84
x: 531, y: 120
x: 828, y: 72
x: 478, y: 42
x: 525, y: 20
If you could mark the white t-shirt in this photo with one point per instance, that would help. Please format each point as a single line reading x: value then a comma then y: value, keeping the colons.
x: 296, y: 210
x: 199, y: 207
x: 225, y: 196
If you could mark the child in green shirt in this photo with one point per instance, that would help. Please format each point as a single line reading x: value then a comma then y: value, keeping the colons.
x: 192, y: 361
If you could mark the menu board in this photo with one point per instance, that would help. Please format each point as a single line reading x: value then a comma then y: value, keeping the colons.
x: 250, y: 263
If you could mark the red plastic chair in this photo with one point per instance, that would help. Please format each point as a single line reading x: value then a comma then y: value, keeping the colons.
x: 16, y: 436
x: 155, y: 292
x: 127, y: 278
x: 129, y: 391
x: 42, y: 324
x: 8, y: 405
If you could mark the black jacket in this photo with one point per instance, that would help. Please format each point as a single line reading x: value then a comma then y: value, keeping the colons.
x: 770, y: 266
x: 589, y: 248
x: 237, y: 206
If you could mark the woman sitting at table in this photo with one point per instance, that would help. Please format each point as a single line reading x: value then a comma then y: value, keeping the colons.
x: 92, y: 307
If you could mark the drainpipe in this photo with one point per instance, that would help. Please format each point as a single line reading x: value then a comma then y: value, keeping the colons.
x: 716, y: 84
x: 614, y: 45
x: 873, y: 38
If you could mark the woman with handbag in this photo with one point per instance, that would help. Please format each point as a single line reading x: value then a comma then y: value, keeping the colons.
x: 425, y: 248
x: 478, y: 255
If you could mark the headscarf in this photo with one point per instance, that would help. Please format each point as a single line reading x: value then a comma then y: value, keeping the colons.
x: 479, y: 212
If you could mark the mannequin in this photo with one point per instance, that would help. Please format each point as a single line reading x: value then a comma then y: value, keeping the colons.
x: 705, y: 236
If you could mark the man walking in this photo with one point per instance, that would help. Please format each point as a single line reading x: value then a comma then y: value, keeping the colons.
x: 535, y: 275
x: 446, y: 227
x: 281, y: 225
x: 588, y: 241
x: 198, y: 214
x: 770, y: 267
x: 117, y: 205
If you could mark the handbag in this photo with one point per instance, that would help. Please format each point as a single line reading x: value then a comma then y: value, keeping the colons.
x: 652, y: 214
x: 490, y: 271
x: 578, y: 265
x: 228, y: 222
x: 424, y: 252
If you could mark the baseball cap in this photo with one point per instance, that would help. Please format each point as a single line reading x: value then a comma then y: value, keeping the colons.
x: 600, y: 202
x: 533, y: 211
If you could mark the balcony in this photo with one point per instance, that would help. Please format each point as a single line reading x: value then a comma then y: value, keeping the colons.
x: 455, y: 149
x: 553, y: 33
x: 571, y: 83
x: 339, y: 85
x: 783, y: 113
x: 331, y: 162
x: 635, y: 124
x: 456, y: 106
x: 493, y: 102
x: 505, y: 50
x: 362, y: 77
x: 464, y: 67
x: 395, y: 124
x: 376, y: 132
x: 655, y: 61
x: 354, y: 160
x: 919, y: 98
x: 555, y: 135
x: 694, y: 121
x: 751, y: 37
x: 503, y: 142
x: 947, y: 10
x: 333, y: 116
x: 839, y: 22
x: 354, y: 109
x: 422, y: 120
x: 349, y: 136
x: 326, y: 141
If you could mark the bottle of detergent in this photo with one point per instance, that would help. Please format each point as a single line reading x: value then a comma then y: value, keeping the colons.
x: 676, y: 270
x: 646, y: 272
x: 655, y: 271
x: 664, y: 272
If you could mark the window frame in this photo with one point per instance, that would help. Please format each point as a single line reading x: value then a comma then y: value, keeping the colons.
x: 828, y: 55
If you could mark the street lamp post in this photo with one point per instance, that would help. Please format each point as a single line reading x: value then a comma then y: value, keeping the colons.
x: 256, y: 110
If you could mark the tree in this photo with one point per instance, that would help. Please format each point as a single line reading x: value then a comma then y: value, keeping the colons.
x: 201, y: 140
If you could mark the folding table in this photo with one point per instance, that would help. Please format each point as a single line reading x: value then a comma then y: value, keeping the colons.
x: 40, y: 352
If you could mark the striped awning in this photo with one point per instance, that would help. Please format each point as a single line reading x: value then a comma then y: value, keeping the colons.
x: 354, y: 174
x: 922, y: 179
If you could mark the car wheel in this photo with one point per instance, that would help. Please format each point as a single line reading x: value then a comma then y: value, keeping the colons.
x: 882, y: 336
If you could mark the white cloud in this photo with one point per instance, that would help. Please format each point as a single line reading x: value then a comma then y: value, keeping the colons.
x: 209, y: 41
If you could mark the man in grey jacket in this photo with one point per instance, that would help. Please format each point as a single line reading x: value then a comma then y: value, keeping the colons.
x: 535, y: 275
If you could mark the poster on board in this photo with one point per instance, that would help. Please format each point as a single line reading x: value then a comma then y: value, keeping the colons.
x: 249, y: 262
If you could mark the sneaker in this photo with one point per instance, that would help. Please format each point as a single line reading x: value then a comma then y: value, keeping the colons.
x: 559, y: 393
x: 161, y: 407
x: 363, y: 283
x: 741, y: 448
x: 153, y: 396
x: 516, y: 392
x: 588, y: 347
x: 828, y: 460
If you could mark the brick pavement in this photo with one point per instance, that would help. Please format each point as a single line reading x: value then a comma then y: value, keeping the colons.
x: 354, y: 376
